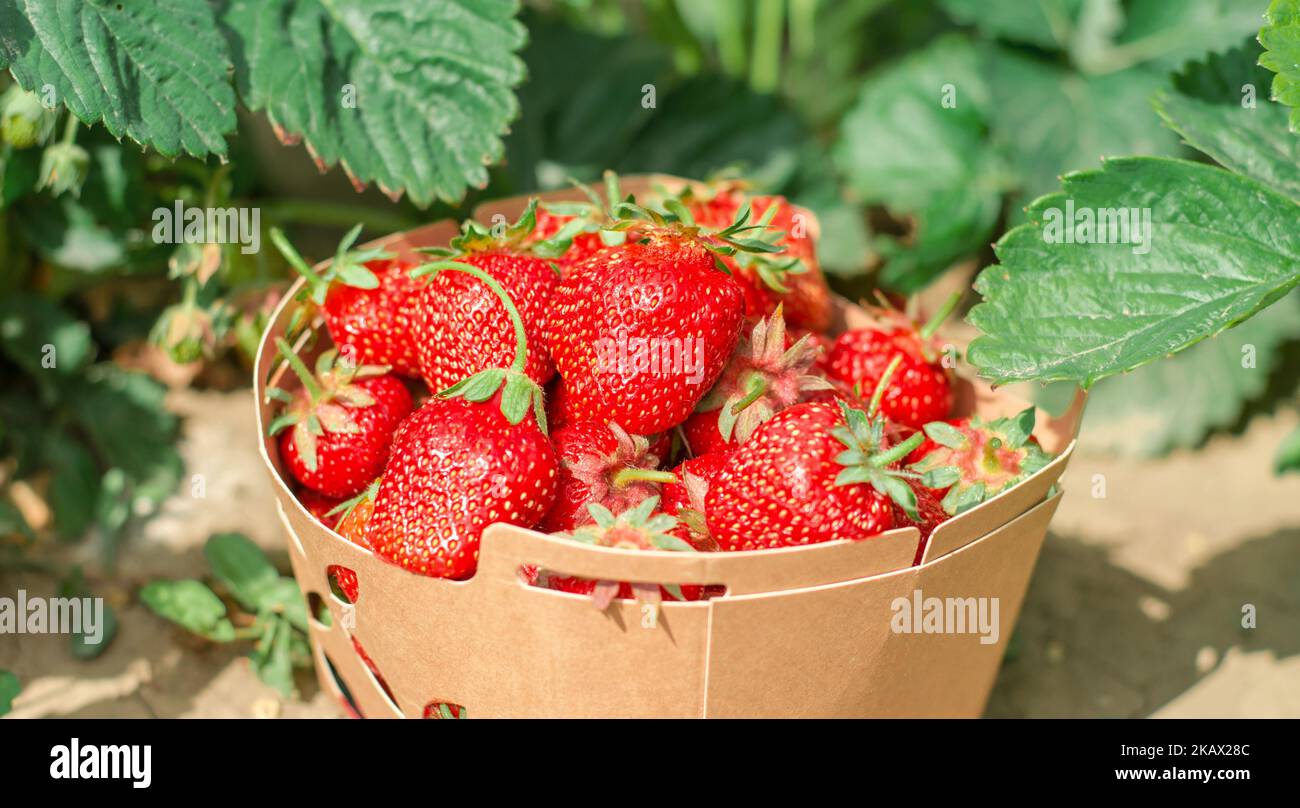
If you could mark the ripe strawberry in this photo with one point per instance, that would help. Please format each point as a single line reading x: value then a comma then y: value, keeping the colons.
x: 640, y: 528
x: 930, y: 515
x: 461, y: 326
x: 921, y: 390
x: 602, y: 464
x: 975, y: 459
x: 319, y: 506
x: 469, y: 457
x: 813, y: 473
x: 685, y: 498
x: 342, y: 422
x: 767, y: 282
x: 641, y: 331
x: 367, y: 298
x: 764, y: 376
x: 353, y: 515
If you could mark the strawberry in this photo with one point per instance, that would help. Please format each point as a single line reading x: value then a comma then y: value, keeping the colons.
x: 335, y: 432
x: 685, y: 498
x: 551, y: 224
x: 974, y: 459
x: 795, y: 279
x: 353, y: 515
x: 602, y: 464
x: 930, y: 515
x: 319, y: 506
x: 637, y: 529
x: 641, y: 331
x: 921, y: 390
x: 469, y: 457
x: 367, y: 298
x: 574, y: 231
x: 461, y: 326
x: 764, y: 376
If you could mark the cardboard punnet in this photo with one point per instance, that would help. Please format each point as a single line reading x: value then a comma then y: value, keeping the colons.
x: 806, y: 631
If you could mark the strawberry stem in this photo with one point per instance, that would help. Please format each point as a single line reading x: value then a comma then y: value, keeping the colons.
x: 521, y: 336
x: 318, y: 284
x: 757, y: 388
x: 897, y: 452
x: 932, y: 325
x: 883, y: 384
x: 629, y: 476
x: 299, y: 369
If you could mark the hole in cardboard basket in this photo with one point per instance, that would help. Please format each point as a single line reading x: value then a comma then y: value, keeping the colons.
x: 536, y: 576
x: 318, y: 610
x: 444, y: 709
x: 374, y: 671
x: 343, y: 583
x: 345, y: 695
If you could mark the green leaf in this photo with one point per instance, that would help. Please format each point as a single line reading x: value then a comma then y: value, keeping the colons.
x: 242, y: 567
x: 1164, y: 35
x: 191, y: 605
x: 411, y: 96
x: 74, y: 586
x: 1288, y: 454
x: 1051, y: 120
x: 9, y: 690
x: 155, y: 72
x: 123, y: 415
x: 1222, y: 247
x: 1045, y: 23
x: 74, y: 485
x: 1177, y: 402
x: 272, y: 657
x: 1209, y: 109
x: 42, y: 338
x: 1281, y: 41
x: 915, y: 143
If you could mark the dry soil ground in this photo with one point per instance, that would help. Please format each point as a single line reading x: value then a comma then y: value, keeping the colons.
x: 1135, y: 607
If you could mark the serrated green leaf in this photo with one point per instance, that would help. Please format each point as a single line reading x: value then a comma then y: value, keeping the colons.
x: 188, y: 603
x: 1222, y: 247
x: 155, y: 72
x: 123, y: 415
x: 411, y: 96
x: 10, y: 687
x: 1177, y: 402
x: 1281, y: 41
x: 1211, y: 108
x: 242, y: 567
x: 915, y: 143
x: 1288, y: 454
x: 1164, y: 35
x: 1051, y: 119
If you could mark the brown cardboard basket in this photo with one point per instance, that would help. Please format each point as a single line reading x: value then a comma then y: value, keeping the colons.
x: 806, y: 631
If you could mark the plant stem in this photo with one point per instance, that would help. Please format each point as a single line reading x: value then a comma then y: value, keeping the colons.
x: 628, y: 476
x: 883, y: 384
x: 898, y: 452
x: 299, y: 369
x: 731, y: 37
x: 932, y: 325
x: 765, y: 67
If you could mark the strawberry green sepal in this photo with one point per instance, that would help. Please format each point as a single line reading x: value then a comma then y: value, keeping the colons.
x: 980, y: 460
x: 864, y: 461
x: 348, y: 266
x: 476, y: 238
x: 347, y: 506
x: 518, y: 392
x: 639, y: 528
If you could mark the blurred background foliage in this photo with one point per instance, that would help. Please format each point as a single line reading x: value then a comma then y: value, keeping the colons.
x: 831, y: 102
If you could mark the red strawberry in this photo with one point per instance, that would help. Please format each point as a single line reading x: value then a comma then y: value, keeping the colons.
x: 769, y: 281
x: 685, y: 499
x: 930, y: 515
x: 585, y: 242
x: 602, y: 464
x: 764, y: 376
x: 921, y: 390
x: 813, y: 473
x: 367, y: 298
x: 637, y: 529
x: 461, y: 327
x: 641, y: 331
x: 342, y: 421
x: 354, y: 514
x: 320, y: 506
x: 974, y: 459
x: 468, y: 458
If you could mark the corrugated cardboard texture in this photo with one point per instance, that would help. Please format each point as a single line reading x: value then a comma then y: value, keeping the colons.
x: 801, y: 631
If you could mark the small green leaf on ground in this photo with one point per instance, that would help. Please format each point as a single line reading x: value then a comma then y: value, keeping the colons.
x: 1288, y: 454
x: 242, y: 567
x: 9, y: 689
x: 191, y: 605
x: 156, y: 72
x: 1221, y: 247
